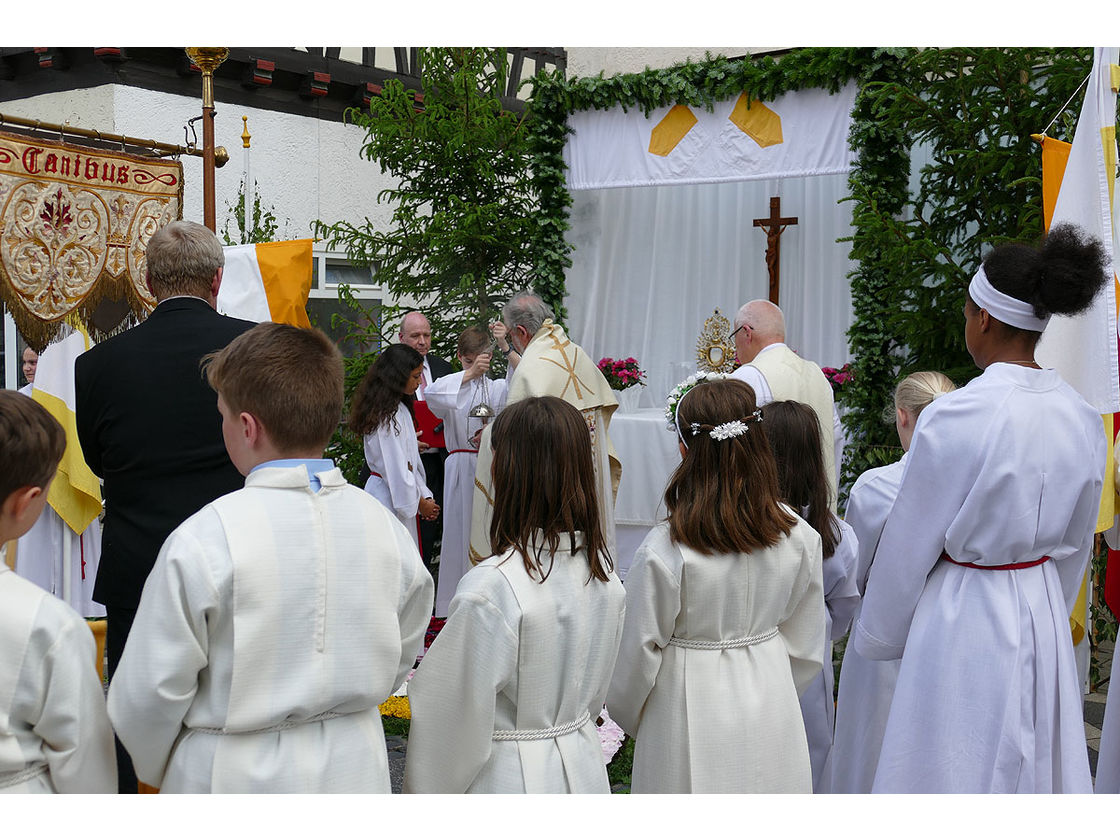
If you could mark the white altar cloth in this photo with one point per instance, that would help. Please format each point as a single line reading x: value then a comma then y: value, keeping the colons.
x: 649, y: 454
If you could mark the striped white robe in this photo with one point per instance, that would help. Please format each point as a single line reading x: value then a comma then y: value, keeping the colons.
x: 274, y: 623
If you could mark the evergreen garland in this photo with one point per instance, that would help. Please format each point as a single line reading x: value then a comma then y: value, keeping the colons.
x: 880, y: 176
x: 974, y: 108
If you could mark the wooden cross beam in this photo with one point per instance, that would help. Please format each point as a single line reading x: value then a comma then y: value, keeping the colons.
x: 774, y: 224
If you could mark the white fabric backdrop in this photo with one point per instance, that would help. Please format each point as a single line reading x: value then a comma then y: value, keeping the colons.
x: 651, y: 263
x: 610, y: 148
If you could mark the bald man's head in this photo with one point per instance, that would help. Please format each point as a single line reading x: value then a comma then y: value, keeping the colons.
x: 758, y: 324
x: 416, y: 332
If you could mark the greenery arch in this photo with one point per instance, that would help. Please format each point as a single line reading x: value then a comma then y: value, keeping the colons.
x: 914, y: 250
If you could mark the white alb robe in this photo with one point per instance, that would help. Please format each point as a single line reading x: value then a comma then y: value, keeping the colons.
x: 397, y: 477
x: 866, y: 685
x: 54, y: 732
x: 1108, y: 755
x: 841, y: 599
x: 1006, y: 470
x: 40, y: 557
x: 450, y: 399
x: 706, y: 717
x: 517, y: 655
x: 274, y: 623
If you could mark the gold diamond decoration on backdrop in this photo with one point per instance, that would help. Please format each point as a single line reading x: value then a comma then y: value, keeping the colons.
x: 758, y: 122
x: 671, y: 130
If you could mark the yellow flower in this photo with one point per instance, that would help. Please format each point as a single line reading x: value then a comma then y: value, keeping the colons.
x: 396, y: 707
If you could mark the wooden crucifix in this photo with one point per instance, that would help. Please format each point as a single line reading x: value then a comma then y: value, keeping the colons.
x: 774, y: 225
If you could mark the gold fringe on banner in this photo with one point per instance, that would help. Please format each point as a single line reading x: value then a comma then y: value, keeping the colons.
x: 74, y: 225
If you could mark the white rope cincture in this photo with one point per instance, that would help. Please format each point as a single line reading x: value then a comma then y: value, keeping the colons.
x: 280, y: 727
x: 542, y: 734
x: 17, y: 777
x: 697, y: 644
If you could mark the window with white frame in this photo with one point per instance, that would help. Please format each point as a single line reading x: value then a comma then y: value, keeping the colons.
x: 329, y: 270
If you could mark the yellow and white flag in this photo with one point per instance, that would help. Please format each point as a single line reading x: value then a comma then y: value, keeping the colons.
x: 268, y: 281
x: 1083, y: 347
x: 75, y: 493
x: 1078, y: 187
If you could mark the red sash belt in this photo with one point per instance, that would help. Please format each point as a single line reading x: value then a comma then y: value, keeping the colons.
x: 1004, y: 568
x: 453, y: 451
x: 371, y: 472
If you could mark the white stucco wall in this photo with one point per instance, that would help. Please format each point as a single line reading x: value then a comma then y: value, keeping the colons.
x: 588, y: 61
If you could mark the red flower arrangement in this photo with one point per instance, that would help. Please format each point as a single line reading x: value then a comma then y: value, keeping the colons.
x: 622, y: 373
x: 838, y: 377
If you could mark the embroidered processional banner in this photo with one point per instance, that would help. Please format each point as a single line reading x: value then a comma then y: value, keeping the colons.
x: 74, y: 225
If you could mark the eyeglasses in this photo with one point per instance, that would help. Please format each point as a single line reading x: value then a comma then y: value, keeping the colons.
x: 740, y: 327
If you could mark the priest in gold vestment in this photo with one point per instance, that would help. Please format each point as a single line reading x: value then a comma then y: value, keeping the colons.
x: 551, y: 365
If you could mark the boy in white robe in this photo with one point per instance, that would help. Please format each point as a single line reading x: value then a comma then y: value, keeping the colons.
x: 280, y: 616
x: 54, y: 733
x: 451, y: 398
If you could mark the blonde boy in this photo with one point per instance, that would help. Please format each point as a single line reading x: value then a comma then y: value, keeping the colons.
x: 54, y: 733
x: 280, y: 616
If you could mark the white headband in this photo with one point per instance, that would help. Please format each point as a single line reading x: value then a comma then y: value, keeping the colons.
x: 1017, y: 313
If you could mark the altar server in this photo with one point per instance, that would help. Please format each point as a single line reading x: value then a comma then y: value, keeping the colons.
x: 381, y: 412
x: 794, y: 434
x: 507, y: 696
x: 279, y: 616
x: 867, y: 685
x: 451, y: 399
x: 724, y: 616
x: 982, y: 557
x: 54, y: 733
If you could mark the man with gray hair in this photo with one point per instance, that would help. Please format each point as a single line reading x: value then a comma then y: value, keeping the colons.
x: 775, y: 373
x: 149, y: 424
x: 553, y: 365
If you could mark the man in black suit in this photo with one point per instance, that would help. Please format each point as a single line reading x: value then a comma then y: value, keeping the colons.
x: 149, y: 425
x: 416, y: 332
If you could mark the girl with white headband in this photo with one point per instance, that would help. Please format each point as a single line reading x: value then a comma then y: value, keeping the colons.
x: 981, y: 559
x: 724, y: 624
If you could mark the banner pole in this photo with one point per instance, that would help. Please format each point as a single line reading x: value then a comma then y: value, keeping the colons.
x: 208, y: 59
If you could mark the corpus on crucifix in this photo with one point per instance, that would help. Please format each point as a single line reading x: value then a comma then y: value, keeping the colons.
x: 774, y: 224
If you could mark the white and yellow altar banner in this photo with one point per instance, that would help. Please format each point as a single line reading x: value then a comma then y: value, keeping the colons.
x: 800, y: 133
x: 75, y: 493
x: 74, y: 225
x: 268, y: 281
x: 1083, y: 347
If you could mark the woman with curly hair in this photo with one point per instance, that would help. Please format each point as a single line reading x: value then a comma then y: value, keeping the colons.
x: 381, y: 412
x: 983, y: 553
x: 724, y: 615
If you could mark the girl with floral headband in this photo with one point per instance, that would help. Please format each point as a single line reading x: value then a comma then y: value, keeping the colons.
x: 724, y: 619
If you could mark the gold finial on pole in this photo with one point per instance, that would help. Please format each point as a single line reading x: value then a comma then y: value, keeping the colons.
x: 245, y: 135
x: 208, y: 59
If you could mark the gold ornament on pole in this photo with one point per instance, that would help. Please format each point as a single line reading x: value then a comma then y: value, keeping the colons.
x: 208, y: 59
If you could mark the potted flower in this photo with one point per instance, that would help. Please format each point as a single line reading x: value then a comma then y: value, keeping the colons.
x: 838, y: 378
x: 626, y: 379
